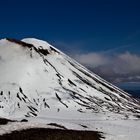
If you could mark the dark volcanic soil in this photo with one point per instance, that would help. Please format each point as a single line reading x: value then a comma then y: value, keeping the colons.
x: 4, y: 121
x: 52, y: 134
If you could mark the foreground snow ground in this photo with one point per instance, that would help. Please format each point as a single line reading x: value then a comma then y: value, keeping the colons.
x: 112, y: 129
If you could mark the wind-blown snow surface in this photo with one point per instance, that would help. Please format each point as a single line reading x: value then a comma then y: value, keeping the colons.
x: 42, y: 84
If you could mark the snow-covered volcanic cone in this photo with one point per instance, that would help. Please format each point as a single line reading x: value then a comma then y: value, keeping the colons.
x: 41, y: 84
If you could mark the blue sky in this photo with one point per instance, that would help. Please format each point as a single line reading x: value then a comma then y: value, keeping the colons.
x: 101, y: 28
x: 98, y: 24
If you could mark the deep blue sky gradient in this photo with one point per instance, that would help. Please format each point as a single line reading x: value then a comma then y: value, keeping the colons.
x: 91, y: 25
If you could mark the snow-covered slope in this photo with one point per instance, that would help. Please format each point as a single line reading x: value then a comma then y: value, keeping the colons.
x: 38, y: 80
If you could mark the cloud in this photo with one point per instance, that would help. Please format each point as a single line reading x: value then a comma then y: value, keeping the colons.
x: 92, y: 59
x: 123, y: 67
x: 127, y: 63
